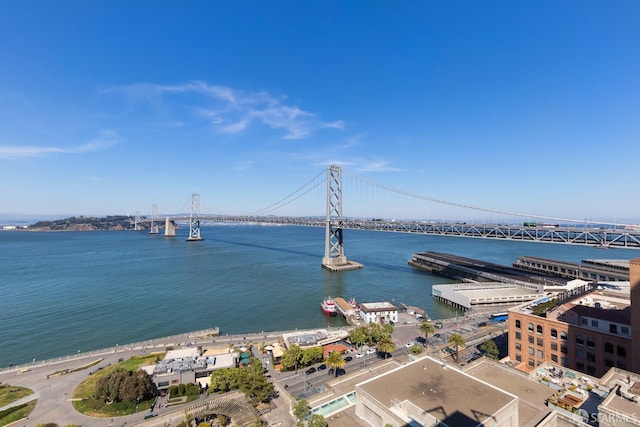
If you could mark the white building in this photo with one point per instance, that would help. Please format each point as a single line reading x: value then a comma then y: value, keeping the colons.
x: 378, y: 312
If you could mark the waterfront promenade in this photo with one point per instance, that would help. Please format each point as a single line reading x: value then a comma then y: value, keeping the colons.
x: 54, y: 390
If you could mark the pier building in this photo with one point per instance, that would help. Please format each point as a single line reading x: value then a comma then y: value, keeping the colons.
x: 586, y: 329
x: 466, y: 296
x: 591, y: 270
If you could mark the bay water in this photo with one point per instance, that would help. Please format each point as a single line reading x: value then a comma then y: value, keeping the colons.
x: 64, y: 292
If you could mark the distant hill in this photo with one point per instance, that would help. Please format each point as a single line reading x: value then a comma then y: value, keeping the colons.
x: 85, y: 223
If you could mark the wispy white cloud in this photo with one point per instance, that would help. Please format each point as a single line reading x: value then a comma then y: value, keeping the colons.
x: 243, y: 166
x: 376, y: 166
x: 105, y: 140
x: 232, y: 111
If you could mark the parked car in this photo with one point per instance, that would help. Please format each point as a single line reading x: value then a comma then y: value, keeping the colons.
x: 359, y: 355
x: 322, y: 367
x: 371, y: 350
x: 409, y: 344
x: 310, y: 371
x: 348, y: 359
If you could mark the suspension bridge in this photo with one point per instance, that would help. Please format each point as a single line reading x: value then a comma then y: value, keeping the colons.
x: 534, y: 228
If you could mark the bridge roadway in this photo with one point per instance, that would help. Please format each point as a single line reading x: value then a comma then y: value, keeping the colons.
x: 599, y: 237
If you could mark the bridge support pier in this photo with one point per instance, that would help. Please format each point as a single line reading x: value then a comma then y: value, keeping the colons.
x: 334, y: 258
x: 153, y: 229
x: 169, y: 228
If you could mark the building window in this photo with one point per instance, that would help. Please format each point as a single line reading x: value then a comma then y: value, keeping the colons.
x: 584, y: 321
x: 563, y: 349
x: 530, y: 350
x: 591, y: 343
x: 608, y: 363
x: 622, y: 365
x: 530, y: 339
x: 579, y: 353
x: 563, y: 361
x: 518, y: 335
x: 518, y: 346
x: 579, y: 340
x: 622, y: 352
x: 540, y: 354
x: 580, y: 366
x: 531, y: 363
x: 613, y: 328
x: 554, y: 358
x: 591, y: 370
x: 563, y: 335
x: 594, y: 323
x: 530, y: 327
x: 624, y: 330
x: 538, y: 329
x: 591, y: 357
x: 518, y: 323
x: 539, y: 342
x: 608, y: 347
x: 518, y: 358
x: 554, y: 346
x: 554, y: 333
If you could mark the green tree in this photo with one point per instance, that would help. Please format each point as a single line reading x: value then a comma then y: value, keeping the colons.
x: 123, y: 385
x: 222, y: 420
x: 292, y: 357
x: 385, y: 345
x: 358, y: 336
x: 311, y: 356
x: 335, y: 361
x: 416, y: 349
x: 427, y: 329
x: 316, y: 420
x: 490, y: 349
x: 456, y: 340
x: 300, y: 409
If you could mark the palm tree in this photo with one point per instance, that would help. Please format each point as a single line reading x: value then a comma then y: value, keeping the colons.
x: 385, y: 345
x: 335, y: 361
x: 457, y: 340
x: 427, y: 329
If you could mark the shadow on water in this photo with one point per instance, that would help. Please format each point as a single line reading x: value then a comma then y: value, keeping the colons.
x: 269, y: 248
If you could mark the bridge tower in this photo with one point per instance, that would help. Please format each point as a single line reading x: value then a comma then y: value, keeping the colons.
x: 136, y: 221
x: 334, y: 258
x: 153, y: 229
x: 194, y: 219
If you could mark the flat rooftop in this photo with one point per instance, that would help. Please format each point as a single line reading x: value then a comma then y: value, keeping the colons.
x: 532, y: 395
x: 490, y: 290
x: 445, y: 393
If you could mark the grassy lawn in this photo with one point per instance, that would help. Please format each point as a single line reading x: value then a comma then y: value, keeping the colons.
x: 17, y: 415
x: 9, y: 394
x: 87, y: 405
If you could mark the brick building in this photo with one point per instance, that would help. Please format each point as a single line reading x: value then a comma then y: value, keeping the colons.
x: 589, y: 332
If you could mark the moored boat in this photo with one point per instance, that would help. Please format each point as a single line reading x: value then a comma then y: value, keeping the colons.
x: 328, y: 306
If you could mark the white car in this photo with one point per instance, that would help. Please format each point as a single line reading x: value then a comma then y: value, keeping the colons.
x: 359, y: 355
x: 409, y: 344
x: 371, y: 351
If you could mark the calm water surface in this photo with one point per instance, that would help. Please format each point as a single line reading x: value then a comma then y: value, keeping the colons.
x: 64, y: 292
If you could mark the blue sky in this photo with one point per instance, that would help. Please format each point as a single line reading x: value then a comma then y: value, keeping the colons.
x: 528, y: 106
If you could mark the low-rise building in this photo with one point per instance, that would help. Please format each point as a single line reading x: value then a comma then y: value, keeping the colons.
x: 378, y: 312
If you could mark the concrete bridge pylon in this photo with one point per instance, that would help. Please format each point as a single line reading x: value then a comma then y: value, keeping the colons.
x: 169, y: 227
x: 334, y: 258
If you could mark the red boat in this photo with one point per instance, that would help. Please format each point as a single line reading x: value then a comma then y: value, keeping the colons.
x: 328, y: 306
